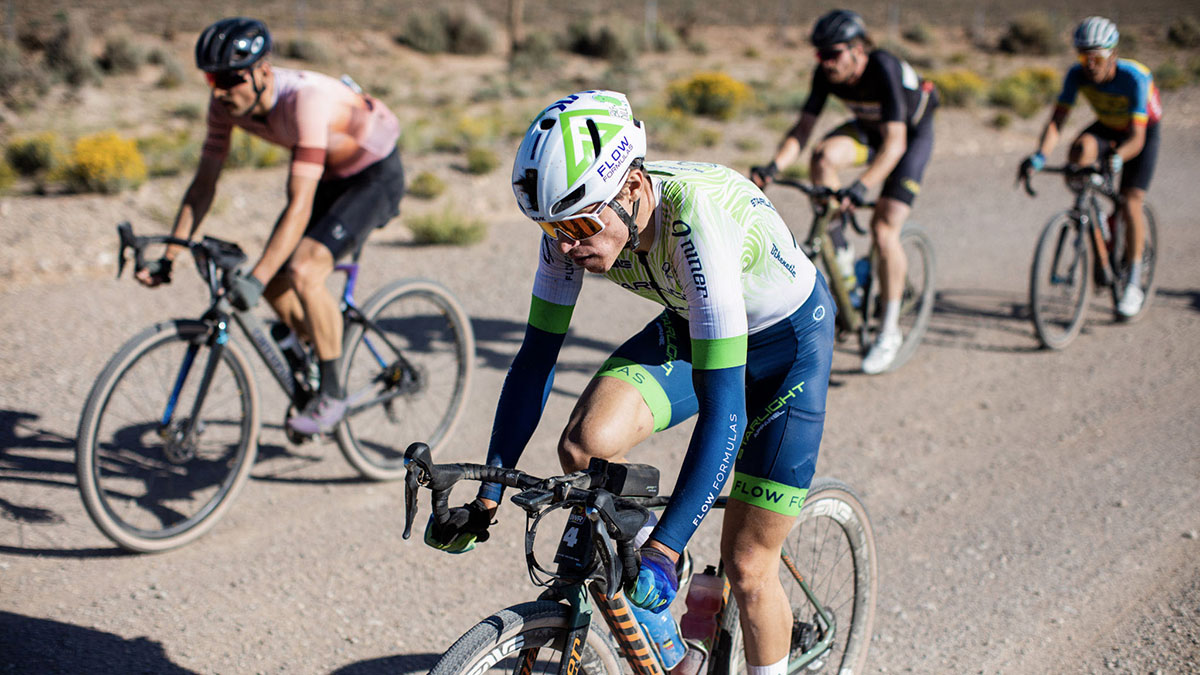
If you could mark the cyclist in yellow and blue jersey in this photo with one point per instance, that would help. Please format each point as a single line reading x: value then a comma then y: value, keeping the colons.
x: 1124, y: 137
x: 744, y: 342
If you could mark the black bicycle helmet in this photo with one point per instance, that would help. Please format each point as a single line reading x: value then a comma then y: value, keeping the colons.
x: 232, y: 44
x: 840, y: 25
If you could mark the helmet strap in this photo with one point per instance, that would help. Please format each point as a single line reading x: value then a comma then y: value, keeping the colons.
x: 258, y: 89
x: 629, y: 221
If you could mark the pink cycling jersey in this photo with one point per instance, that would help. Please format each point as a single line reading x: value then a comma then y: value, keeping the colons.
x: 332, y: 131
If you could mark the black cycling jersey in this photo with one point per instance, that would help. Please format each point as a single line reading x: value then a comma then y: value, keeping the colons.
x: 888, y: 91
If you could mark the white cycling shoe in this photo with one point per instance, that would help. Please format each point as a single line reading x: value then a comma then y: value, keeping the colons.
x: 1131, y: 301
x: 881, y: 355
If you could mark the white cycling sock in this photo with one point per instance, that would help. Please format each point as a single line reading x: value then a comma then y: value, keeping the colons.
x: 773, y: 669
x: 1135, y: 274
x: 891, y: 317
x: 643, y: 534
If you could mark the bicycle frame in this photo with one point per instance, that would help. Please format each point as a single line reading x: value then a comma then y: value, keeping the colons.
x: 1088, y: 213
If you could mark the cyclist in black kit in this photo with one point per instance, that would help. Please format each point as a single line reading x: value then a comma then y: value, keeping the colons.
x: 891, y: 132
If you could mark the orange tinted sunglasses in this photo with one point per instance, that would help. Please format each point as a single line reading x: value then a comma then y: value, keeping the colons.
x: 1096, y: 56
x: 225, y: 79
x: 577, y: 227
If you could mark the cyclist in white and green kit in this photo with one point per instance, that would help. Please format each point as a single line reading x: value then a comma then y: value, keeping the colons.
x: 745, y: 343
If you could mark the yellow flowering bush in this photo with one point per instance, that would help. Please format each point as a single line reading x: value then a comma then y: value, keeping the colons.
x: 713, y: 94
x: 102, y: 162
x: 958, y: 87
x: 1026, y: 91
x: 249, y: 151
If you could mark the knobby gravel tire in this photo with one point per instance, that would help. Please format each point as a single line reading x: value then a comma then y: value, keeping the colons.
x: 494, y: 644
x: 143, y: 492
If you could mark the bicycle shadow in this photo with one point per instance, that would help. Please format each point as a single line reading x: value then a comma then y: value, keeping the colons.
x: 1190, y: 296
x: 24, y: 643
x: 401, y: 663
x: 981, y: 319
x: 33, y: 456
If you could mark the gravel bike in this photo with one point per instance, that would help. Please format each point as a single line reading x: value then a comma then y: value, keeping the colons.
x: 1079, y: 245
x: 169, y: 431
x: 860, y: 308
x: 828, y: 570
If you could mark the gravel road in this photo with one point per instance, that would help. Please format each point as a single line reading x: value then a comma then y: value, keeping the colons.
x: 1035, y: 511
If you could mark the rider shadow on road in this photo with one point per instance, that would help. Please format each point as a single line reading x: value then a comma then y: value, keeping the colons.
x: 1191, y: 296
x: 33, y: 456
x: 401, y: 663
x: 45, y: 646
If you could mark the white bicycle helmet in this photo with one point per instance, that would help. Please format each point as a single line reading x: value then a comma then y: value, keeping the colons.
x: 576, y: 154
x: 1096, y: 32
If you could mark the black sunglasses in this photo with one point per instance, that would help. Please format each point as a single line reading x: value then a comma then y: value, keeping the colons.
x: 830, y: 54
x: 226, y: 79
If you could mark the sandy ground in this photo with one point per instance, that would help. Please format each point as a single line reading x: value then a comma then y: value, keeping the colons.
x: 1035, y: 511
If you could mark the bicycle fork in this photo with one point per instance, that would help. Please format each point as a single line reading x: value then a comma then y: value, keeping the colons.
x: 179, y: 445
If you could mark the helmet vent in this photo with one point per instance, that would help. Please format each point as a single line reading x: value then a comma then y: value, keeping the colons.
x: 546, y: 123
x: 528, y: 185
x: 568, y: 201
x: 595, y: 133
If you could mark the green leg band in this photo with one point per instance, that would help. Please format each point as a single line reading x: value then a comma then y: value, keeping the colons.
x: 768, y: 494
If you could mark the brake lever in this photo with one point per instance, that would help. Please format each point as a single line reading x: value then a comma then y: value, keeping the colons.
x: 410, y: 501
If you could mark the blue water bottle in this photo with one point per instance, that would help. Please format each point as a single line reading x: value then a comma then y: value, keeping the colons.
x: 663, y: 634
x: 862, y: 272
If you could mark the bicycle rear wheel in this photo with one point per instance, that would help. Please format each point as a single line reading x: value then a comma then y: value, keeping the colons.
x: 496, y: 644
x: 147, y: 485
x: 832, y: 549
x: 407, y: 372
x: 1149, y: 256
x: 1058, y: 283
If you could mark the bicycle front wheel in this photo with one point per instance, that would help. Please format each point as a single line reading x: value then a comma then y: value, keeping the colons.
x: 151, y: 477
x: 497, y: 644
x: 916, y: 298
x: 1058, y: 283
x: 407, y: 370
x: 1149, y: 256
x: 829, y: 573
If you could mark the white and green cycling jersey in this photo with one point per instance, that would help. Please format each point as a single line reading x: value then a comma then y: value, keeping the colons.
x: 722, y: 258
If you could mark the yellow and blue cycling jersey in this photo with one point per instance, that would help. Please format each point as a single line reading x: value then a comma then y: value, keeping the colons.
x: 1129, y: 98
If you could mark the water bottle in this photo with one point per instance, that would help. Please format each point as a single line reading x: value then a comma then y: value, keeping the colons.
x: 703, y: 602
x: 663, y: 634
x: 862, y: 272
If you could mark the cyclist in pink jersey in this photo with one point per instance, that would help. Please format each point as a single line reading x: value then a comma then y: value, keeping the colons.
x: 345, y: 179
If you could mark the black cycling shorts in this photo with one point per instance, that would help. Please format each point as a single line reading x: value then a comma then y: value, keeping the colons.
x: 346, y: 210
x: 1139, y: 170
x: 904, y: 182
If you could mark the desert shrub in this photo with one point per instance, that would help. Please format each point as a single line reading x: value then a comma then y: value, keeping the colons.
x: 1002, y: 120
x: 748, y: 143
x: 121, y: 55
x: 466, y: 132
x: 426, y: 186
x: 188, y: 111
x: 669, y: 130
x: 602, y: 42
x: 663, y: 38
x: 1184, y: 32
x: 8, y: 176
x: 67, y: 52
x: 918, y: 33
x: 957, y: 58
x: 250, y: 151
x: 168, y: 154
x: 958, y: 87
x: 1030, y: 33
x: 34, y: 154
x: 305, y: 49
x: 1194, y: 67
x: 712, y: 94
x: 446, y: 227
x: 709, y: 137
x: 172, y: 74
x: 102, y: 162
x: 481, y: 161
x: 1026, y: 91
x: 534, y: 54
x: 458, y: 30
x: 1170, y: 77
